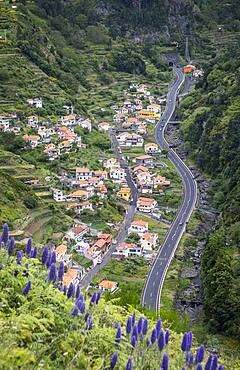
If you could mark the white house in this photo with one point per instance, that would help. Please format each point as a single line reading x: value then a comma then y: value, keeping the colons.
x: 104, y: 126
x: 69, y: 120
x: 58, y: 195
x: 86, y: 123
x: 148, y: 242
x: 33, y: 140
x: 156, y: 108
x: 117, y: 174
x: 107, y: 286
x: 119, y: 117
x: 138, y: 227
x: 111, y: 163
x: 146, y: 205
x: 4, y: 124
x: 83, y: 173
x: 151, y: 148
x: 83, y: 205
x: 126, y: 139
x: 32, y: 121
x: 73, y: 275
x: 128, y: 250
x: 35, y: 102
x: 78, y: 231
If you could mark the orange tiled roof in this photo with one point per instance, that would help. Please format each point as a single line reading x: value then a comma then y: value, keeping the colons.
x: 61, y: 249
x: 107, y: 284
x: 77, y: 194
x: 82, y: 169
x: 79, y: 228
x: 69, y: 276
x: 139, y: 223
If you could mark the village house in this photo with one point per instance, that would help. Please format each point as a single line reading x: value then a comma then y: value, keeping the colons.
x: 126, y: 250
x: 151, y: 148
x: 148, y: 242
x: 141, y: 88
x: 117, y: 174
x: 83, y: 173
x: 52, y: 151
x: 146, y: 205
x: 141, y: 129
x: 138, y: 227
x: 4, y: 124
x: 104, y: 126
x: 73, y: 275
x: 94, y: 181
x: 101, y: 174
x: 65, y: 146
x: 124, y: 193
x: 156, y: 108
x: 81, y: 206
x: 63, y: 256
x: 149, y: 114
x: 85, y: 123
x: 77, y: 196
x: 146, y: 160
x: 77, y: 232
x: 139, y: 169
x: 33, y: 140
x: 35, y: 102
x: 69, y: 120
x: 58, y: 195
x: 126, y: 139
x: 144, y: 177
x: 103, y: 242
x: 160, y: 181
x: 130, y: 123
x: 44, y: 131
x: 107, y: 286
x: 32, y: 121
x: 101, y: 191
x: 145, y: 188
x: 119, y: 117
x: 111, y: 163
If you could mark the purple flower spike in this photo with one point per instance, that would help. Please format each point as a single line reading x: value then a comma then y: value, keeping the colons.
x: 116, y: 324
x: 49, y: 258
x: 133, y: 319
x: 114, y: 360
x: 75, y: 311
x: 183, y: 368
x: 189, y: 341
x: 11, y: 247
x: 78, y: 291
x: 135, y: 332
x: 199, y: 367
x: 70, y: 291
x: 52, y: 276
x: 167, y: 335
x: 33, y: 253
x: 161, y: 340
x: 208, y: 363
x: 129, y: 364
x: 134, y: 342
x: 158, y: 326
x: 89, y: 322
x: 1, y: 240
x: 98, y: 297
x: 220, y: 367
x: 19, y: 257
x: 191, y: 360
x: 129, y: 325
x: 214, y: 363
x: 140, y: 352
x: 65, y: 290
x: 165, y: 362
x: 200, y: 354
x: 53, y: 258
x: 153, y: 336
x: 83, y: 308
x: 29, y: 247
x: 140, y: 325
x: 118, y: 335
x: 27, y: 288
x: 145, y: 327
x: 5, y: 234
x: 44, y: 255
x: 61, y: 271
x: 184, y: 342
x: 93, y: 298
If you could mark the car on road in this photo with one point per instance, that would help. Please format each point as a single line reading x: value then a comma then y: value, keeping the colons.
x: 181, y: 223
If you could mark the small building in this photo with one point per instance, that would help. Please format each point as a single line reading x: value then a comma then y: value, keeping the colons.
x: 35, y: 102
x: 69, y: 120
x: 111, y: 163
x: 124, y: 193
x: 148, y: 242
x: 61, y: 250
x: 146, y: 205
x: 4, y: 123
x: 117, y: 174
x: 58, y: 195
x: 155, y: 108
x: 101, y: 174
x: 78, y: 231
x: 32, y: 121
x: 128, y: 250
x: 77, y: 196
x: 160, y: 181
x: 33, y: 140
x: 83, y: 173
x: 104, y: 126
x: 139, y: 227
x: 151, y: 148
x: 86, y: 124
x: 126, y: 139
x: 73, y: 275
x: 107, y: 286
x: 79, y: 207
x: 145, y: 159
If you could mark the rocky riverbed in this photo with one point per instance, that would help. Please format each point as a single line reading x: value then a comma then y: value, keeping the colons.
x: 188, y: 296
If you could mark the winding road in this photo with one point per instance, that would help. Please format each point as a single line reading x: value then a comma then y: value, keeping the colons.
x: 153, y: 285
x: 127, y: 220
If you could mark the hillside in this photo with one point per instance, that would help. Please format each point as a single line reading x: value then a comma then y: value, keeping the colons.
x: 211, y: 132
x: 45, y: 326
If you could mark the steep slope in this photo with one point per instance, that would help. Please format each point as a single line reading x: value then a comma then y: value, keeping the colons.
x: 211, y: 131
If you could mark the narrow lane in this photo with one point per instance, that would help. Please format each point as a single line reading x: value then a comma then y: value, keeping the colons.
x: 153, y: 285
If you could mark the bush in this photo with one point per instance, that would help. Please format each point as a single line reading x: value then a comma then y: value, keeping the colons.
x: 30, y: 202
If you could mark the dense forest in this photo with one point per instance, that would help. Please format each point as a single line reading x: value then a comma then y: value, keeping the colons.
x: 212, y: 130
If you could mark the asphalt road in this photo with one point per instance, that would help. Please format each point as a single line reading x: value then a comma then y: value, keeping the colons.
x: 127, y: 220
x: 153, y: 285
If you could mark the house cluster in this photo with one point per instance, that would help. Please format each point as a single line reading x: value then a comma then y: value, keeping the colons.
x: 144, y: 247
x: 85, y: 184
x: 193, y: 71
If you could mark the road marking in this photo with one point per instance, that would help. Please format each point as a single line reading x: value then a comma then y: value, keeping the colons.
x: 157, y: 273
x: 154, y: 283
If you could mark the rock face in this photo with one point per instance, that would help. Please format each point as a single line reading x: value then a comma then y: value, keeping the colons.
x: 188, y: 297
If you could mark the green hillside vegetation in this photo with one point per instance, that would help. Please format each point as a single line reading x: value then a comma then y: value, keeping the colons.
x: 41, y: 327
x: 211, y: 130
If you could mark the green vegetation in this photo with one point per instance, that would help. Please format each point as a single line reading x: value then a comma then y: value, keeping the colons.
x: 211, y: 132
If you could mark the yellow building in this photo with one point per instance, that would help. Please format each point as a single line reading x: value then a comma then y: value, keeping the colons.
x: 147, y: 114
x: 124, y: 193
